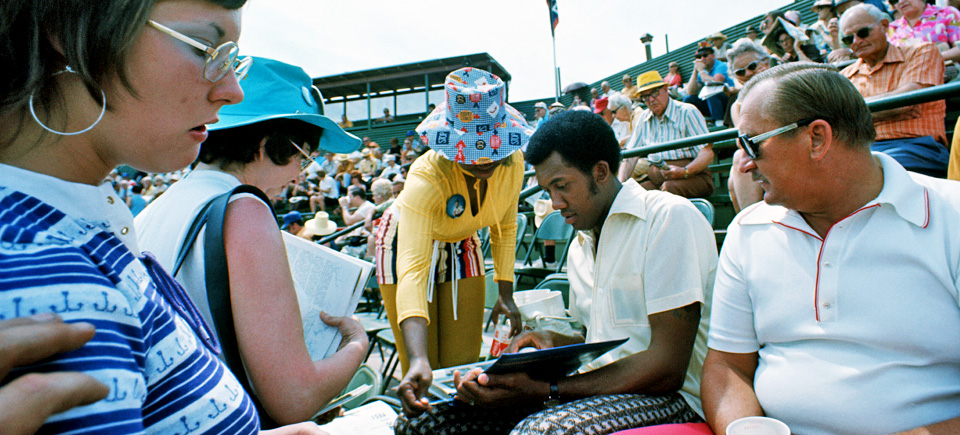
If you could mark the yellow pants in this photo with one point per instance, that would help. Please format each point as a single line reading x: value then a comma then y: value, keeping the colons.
x: 449, y: 342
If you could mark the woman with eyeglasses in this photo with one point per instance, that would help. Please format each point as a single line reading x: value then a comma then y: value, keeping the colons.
x: 263, y: 142
x: 747, y: 59
x: 90, y: 86
x: 922, y: 22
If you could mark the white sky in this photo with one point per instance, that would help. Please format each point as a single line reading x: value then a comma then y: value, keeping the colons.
x: 595, y: 38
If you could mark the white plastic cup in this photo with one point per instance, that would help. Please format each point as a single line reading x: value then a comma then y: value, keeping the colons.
x: 757, y: 426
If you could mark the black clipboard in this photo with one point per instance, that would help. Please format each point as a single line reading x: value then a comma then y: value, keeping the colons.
x: 553, y: 363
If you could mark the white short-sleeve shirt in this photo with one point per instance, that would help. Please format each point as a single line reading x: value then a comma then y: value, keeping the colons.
x: 858, y: 331
x: 656, y: 253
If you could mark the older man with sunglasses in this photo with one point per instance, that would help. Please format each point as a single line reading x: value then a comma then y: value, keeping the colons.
x: 914, y: 135
x: 684, y: 171
x: 835, y: 308
x: 707, y: 70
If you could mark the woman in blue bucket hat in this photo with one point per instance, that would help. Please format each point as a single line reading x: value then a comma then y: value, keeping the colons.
x: 429, y: 263
x: 262, y: 142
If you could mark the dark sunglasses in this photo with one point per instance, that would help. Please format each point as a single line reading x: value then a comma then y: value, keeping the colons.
x: 893, y: 2
x: 751, y: 145
x: 701, y: 55
x: 751, y: 67
x: 862, y: 33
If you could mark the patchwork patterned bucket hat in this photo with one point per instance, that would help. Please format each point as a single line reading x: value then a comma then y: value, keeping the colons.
x: 474, y: 125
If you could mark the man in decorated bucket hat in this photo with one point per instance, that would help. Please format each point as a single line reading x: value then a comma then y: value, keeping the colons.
x: 685, y: 170
x: 430, y: 266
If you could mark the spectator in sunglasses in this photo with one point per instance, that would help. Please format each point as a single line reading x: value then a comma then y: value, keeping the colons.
x: 708, y: 70
x: 809, y: 321
x: 913, y: 135
x: 747, y: 59
x: 674, y: 77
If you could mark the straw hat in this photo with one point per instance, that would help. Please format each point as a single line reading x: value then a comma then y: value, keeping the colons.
x: 821, y: 3
x: 320, y: 225
x: 717, y: 35
x: 541, y: 209
x: 474, y: 125
x: 649, y: 80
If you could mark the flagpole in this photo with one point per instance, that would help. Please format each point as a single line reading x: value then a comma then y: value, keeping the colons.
x: 554, y: 20
x: 556, y: 72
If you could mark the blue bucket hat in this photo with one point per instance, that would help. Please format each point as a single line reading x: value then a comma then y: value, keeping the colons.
x: 276, y: 90
x: 474, y: 125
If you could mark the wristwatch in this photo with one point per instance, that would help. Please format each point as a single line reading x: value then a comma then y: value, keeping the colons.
x: 553, y: 398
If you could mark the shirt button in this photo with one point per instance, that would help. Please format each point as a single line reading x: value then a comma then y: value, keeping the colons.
x: 124, y: 230
x: 826, y: 305
x: 826, y: 264
x: 109, y: 200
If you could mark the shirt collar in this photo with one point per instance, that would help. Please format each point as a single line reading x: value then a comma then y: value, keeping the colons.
x: 99, y: 204
x: 907, y: 198
x: 629, y: 200
x: 894, y: 55
x: 668, y: 114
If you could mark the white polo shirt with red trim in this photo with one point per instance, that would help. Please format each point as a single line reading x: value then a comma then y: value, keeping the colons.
x: 859, y: 331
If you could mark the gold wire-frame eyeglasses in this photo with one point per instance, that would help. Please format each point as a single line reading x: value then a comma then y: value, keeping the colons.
x: 219, y: 60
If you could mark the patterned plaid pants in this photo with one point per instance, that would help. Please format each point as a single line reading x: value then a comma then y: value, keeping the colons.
x: 595, y: 415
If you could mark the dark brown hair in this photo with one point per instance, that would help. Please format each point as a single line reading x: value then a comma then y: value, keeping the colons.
x: 95, y: 38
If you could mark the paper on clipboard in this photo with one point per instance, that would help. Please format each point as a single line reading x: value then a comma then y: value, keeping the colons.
x: 552, y: 363
x: 710, y: 89
x: 327, y: 281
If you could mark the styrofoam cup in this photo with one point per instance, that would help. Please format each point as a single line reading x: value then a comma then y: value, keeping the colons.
x: 757, y: 426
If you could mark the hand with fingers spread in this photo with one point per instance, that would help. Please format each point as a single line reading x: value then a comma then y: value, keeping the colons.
x: 27, y: 402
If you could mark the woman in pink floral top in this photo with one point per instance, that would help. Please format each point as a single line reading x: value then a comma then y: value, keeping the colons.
x: 920, y: 22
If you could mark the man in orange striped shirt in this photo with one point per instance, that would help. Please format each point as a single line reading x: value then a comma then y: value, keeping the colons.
x: 914, y: 135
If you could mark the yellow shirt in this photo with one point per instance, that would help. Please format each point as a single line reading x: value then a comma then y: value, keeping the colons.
x: 422, y: 207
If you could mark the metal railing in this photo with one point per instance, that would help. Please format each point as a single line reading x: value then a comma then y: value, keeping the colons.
x: 906, y: 99
x: 932, y: 93
x: 339, y: 233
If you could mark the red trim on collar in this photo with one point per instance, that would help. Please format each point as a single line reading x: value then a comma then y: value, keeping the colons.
x: 816, y: 287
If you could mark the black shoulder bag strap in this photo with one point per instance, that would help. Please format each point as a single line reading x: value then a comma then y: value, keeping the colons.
x: 218, y: 283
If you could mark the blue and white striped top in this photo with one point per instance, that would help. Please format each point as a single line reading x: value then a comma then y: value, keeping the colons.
x: 679, y: 120
x: 69, y: 249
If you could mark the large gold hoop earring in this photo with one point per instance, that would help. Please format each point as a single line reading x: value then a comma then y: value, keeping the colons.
x: 103, y: 110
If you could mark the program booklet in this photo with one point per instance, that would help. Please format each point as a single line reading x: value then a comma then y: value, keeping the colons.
x: 552, y: 363
x: 374, y: 418
x: 328, y: 281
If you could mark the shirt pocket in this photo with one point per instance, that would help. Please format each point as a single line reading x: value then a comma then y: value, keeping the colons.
x: 626, y: 304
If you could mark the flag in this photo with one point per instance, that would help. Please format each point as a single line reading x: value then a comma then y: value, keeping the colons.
x: 554, y: 16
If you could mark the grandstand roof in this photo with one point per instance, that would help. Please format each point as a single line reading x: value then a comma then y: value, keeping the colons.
x: 401, y: 79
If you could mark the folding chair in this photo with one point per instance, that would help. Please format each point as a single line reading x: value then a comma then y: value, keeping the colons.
x: 558, y: 282
x: 705, y: 207
x: 365, y: 375
x: 554, y: 227
x: 521, y: 231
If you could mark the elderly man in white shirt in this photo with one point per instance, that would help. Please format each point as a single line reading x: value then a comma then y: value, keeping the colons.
x: 836, y: 302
